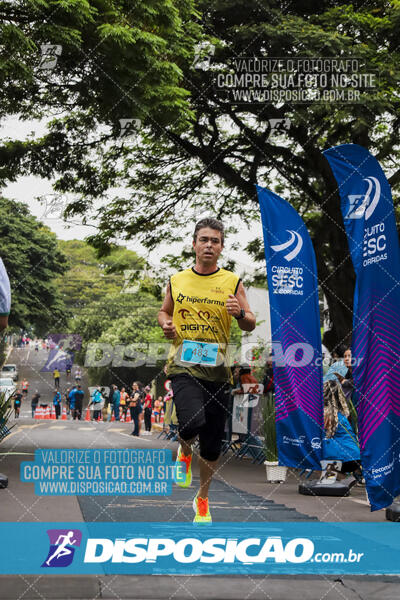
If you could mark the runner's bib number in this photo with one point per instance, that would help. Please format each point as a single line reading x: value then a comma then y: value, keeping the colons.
x: 199, y: 353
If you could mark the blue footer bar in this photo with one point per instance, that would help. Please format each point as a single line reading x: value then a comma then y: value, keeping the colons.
x: 182, y: 548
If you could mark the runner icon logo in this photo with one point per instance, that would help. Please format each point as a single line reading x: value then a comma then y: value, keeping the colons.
x: 62, y: 349
x: 364, y: 206
x: 295, y: 238
x: 62, y: 547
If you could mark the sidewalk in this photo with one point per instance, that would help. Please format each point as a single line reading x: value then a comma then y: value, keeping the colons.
x: 147, y: 587
x: 19, y: 503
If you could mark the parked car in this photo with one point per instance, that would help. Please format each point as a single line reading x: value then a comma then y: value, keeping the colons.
x: 8, y: 386
x: 9, y: 370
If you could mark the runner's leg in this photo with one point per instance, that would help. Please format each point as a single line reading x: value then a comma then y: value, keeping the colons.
x: 211, y: 434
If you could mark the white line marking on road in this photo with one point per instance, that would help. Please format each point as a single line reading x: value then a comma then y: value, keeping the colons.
x: 115, y: 430
x: 20, y: 453
x: 58, y: 427
x: 134, y: 437
x: 359, y: 501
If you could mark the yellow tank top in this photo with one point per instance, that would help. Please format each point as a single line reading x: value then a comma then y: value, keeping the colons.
x: 200, y: 315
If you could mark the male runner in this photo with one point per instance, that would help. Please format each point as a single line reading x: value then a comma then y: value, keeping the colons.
x: 196, y: 315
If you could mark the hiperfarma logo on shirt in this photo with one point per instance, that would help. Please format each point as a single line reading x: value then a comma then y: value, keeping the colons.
x: 295, y: 243
x: 63, y: 543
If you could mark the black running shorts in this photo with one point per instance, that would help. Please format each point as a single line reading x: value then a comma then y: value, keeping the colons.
x: 201, y: 409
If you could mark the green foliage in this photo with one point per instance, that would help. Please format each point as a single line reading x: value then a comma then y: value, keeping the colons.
x: 126, y: 51
x: 33, y: 261
x: 119, y: 319
x: 100, y: 306
x: 90, y: 279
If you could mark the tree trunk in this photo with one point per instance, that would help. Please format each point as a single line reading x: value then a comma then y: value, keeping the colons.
x: 337, y: 279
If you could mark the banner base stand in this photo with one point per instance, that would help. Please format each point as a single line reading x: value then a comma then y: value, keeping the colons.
x: 393, y: 512
x: 318, y: 488
x: 3, y: 481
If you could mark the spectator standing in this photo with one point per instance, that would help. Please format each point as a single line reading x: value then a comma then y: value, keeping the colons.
x: 106, y: 395
x: 269, y: 378
x: 57, y: 402
x: 157, y: 409
x: 135, y: 407
x: 71, y: 400
x: 35, y: 402
x: 97, y: 402
x: 66, y: 400
x: 148, y: 402
x: 347, y: 381
x: 79, y: 395
x: 123, y: 401
x: 115, y: 399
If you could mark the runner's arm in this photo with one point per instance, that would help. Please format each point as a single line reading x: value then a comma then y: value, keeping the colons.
x: 165, y: 315
x: 235, y: 303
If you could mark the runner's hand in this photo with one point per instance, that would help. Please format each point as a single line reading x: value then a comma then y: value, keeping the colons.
x: 232, y: 306
x: 169, y: 330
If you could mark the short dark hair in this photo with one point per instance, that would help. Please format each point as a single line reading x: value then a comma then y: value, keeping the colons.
x: 212, y: 224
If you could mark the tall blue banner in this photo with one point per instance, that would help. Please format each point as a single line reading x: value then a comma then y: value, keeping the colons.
x: 296, y: 334
x: 369, y: 220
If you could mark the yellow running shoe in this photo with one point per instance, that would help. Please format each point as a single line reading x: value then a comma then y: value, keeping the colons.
x: 183, y: 464
x: 202, y: 510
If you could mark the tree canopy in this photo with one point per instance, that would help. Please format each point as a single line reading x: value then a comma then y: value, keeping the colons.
x: 33, y: 260
x: 89, y: 279
x: 192, y: 151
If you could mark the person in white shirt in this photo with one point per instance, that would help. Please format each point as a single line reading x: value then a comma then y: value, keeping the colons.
x: 78, y: 374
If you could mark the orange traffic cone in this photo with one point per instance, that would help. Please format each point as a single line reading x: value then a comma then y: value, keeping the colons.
x: 53, y: 412
x: 47, y: 413
x: 122, y: 418
x: 64, y: 414
x: 38, y: 412
x: 87, y: 417
x: 128, y: 417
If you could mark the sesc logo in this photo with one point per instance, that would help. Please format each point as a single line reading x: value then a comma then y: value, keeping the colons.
x: 296, y: 240
x: 364, y: 206
x: 62, y: 547
x: 316, y: 443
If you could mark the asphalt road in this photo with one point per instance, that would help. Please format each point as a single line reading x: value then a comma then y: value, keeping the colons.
x: 241, y: 474
x: 241, y: 490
